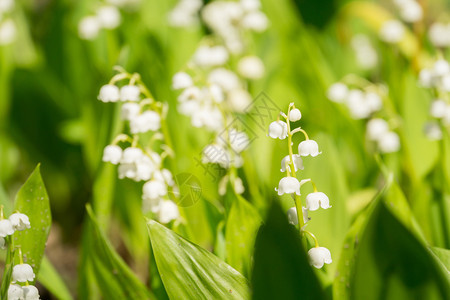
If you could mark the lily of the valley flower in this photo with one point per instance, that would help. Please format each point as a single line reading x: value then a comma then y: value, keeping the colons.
x: 286, y: 161
x: 19, y: 221
x: 109, y: 93
x: 112, y: 154
x: 289, y: 185
x: 22, y: 273
x: 278, y: 129
x: 293, y: 217
x: 316, y: 200
x: 318, y: 256
x: 130, y: 93
x: 308, y: 147
x: 6, y: 228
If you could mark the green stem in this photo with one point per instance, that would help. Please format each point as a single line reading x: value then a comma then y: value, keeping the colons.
x: 297, y: 199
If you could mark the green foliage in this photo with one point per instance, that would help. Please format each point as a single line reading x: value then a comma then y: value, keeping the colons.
x: 191, y: 272
x: 281, y: 268
x: 32, y: 200
x: 114, y: 278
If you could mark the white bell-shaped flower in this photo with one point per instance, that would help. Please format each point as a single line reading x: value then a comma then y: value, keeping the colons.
x: 319, y: 256
x: 19, y: 221
x: 316, y: 200
x: 130, y: 93
x: 206, y: 56
x: 293, y: 217
x: 164, y: 176
x: 112, y: 154
x: 6, y: 228
x: 286, y: 161
x: 216, y: 154
x: 215, y: 93
x: 239, y: 100
x: 146, y: 166
x: 389, y: 142
x: 256, y: 21
x: 392, y: 31
x: 433, y: 131
x: 6, y: 6
x: 337, y: 92
x: 251, y: 67
x: 22, y: 273
x: 308, y: 147
x: 239, y: 140
x: 376, y: 128
x: 147, y: 121
x: 154, y: 189
x: 127, y: 170
x: 30, y: 292
x: 411, y: 12
x: 168, y: 211
x: 15, y: 292
x: 88, y: 28
x: 189, y: 94
x: 109, y: 17
x: 109, y: 93
x: 295, y: 115
x: 373, y: 101
x: 441, y: 67
x: 278, y: 129
x: 437, y: 109
x: 426, y: 78
x: 131, y: 155
x: 288, y: 185
x: 225, y: 78
x: 130, y: 110
x: 181, y: 80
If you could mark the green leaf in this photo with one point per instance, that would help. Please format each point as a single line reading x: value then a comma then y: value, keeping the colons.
x: 443, y: 257
x: 242, y: 226
x: 114, y: 277
x: 281, y: 268
x: 32, y: 200
x: 385, y: 257
x: 50, y: 278
x: 6, y: 279
x: 191, y: 272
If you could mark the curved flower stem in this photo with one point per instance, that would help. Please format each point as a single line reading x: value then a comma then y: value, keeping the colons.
x: 302, y: 131
x: 313, y: 236
x: 297, y: 199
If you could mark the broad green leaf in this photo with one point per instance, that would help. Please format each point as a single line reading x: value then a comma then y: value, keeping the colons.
x: 114, y: 277
x: 384, y: 255
x: 281, y: 268
x: 32, y: 200
x: 242, y: 225
x: 443, y: 256
x: 191, y: 272
x: 50, y: 278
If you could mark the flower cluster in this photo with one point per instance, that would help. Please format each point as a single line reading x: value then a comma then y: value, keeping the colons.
x: 392, y: 31
x: 439, y: 34
x: 8, y: 28
x: 22, y: 274
x: 229, y: 19
x: 185, y: 13
x: 366, y: 55
x: 16, y: 222
x: 437, y: 78
x: 365, y: 103
x: 290, y: 164
x: 410, y: 10
x: 105, y: 17
x: 137, y: 160
x: 213, y: 87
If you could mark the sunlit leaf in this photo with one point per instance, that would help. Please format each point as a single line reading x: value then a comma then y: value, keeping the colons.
x: 191, y: 272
